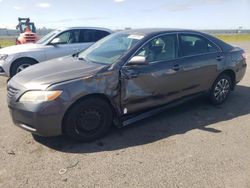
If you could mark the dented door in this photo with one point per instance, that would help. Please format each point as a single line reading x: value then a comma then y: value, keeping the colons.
x: 147, y: 86
x: 156, y: 82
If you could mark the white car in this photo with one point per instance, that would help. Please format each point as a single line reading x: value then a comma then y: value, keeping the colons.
x: 58, y: 43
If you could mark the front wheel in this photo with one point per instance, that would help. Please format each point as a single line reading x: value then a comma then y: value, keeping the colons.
x: 220, y: 89
x: 88, y: 119
x: 20, y: 66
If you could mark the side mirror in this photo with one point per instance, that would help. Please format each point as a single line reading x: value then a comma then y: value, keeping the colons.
x: 75, y: 54
x: 55, y: 41
x: 138, y: 60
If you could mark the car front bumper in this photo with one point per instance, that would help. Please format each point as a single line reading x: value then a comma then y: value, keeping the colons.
x: 2, y: 71
x: 41, y: 119
x: 5, y: 68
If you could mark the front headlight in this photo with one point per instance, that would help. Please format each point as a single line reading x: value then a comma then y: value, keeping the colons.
x: 39, y: 96
x: 3, y: 56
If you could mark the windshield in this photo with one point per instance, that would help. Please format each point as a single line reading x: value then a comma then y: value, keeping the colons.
x: 30, y: 25
x: 48, y: 37
x: 110, y: 48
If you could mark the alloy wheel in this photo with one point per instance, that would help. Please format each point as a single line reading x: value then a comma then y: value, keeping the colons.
x: 222, y: 89
x: 22, y: 67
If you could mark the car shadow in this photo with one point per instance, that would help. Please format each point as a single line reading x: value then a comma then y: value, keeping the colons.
x: 195, y: 114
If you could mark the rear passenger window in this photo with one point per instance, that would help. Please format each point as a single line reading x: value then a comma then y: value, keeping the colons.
x: 101, y: 34
x: 195, y: 45
x: 91, y: 35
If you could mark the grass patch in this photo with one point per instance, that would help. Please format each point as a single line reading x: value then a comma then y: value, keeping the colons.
x: 7, y: 42
x: 234, y: 37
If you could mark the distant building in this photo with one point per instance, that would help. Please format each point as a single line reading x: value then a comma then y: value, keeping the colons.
x: 43, y: 31
x: 236, y: 31
x: 8, y: 32
x: 14, y: 32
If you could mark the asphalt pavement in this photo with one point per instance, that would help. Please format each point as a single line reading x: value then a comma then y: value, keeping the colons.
x: 192, y: 145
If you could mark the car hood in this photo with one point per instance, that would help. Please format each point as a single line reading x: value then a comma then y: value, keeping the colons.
x: 21, y: 48
x: 54, y: 71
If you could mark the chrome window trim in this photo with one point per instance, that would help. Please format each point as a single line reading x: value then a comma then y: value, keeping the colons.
x: 178, y: 47
x: 198, y: 55
x: 179, y: 58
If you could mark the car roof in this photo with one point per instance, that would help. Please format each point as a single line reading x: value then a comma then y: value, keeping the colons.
x: 152, y: 31
x: 85, y: 27
x: 148, y: 32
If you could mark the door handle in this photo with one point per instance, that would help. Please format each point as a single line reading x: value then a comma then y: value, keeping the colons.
x: 177, y: 67
x: 132, y: 75
x: 128, y: 74
x: 219, y: 58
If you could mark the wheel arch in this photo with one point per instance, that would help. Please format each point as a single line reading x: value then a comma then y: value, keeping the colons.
x: 94, y: 95
x: 231, y: 74
x: 21, y: 59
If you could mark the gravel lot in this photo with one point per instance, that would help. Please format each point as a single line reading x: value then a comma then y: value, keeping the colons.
x: 193, y: 145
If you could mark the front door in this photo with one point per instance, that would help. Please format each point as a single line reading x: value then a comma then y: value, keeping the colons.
x: 158, y: 82
x: 68, y: 44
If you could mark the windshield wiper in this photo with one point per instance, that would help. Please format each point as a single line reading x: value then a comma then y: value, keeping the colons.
x: 89, y: 61
x: 81, y: 58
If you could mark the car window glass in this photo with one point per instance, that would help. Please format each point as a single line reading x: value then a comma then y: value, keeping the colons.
x: 100, y: 34
x: 29, y: 25
x: 48, y: 37
x: 91, y: 35
x: 194, y: 45
x: 162, y: 48
x: 67, y: 37
x: 76, y: 38
x: 111, y: 48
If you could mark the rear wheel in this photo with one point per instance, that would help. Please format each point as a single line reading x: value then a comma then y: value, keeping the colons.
x: 21, y: 65
x: 88, y: 119
x: 220, y: 89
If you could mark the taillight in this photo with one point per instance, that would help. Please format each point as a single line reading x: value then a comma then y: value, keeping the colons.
x: 244, y: 55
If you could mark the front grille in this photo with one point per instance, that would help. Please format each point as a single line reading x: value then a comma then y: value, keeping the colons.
x: 12, y: 91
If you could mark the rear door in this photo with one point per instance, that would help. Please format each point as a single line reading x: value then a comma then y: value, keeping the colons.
x: 199, y: 61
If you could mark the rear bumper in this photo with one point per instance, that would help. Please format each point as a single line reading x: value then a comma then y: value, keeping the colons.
x: 240, y: 73
x: 43, y: 120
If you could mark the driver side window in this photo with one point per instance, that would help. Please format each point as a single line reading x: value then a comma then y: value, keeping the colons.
x: 162, y: 48
x: 67, y: 37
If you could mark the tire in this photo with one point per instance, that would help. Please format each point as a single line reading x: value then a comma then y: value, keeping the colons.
x: 20, y: 65
x: 220, y: 90
x: 88, y: 120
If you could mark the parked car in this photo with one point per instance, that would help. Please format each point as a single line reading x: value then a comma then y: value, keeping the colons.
x: 58, y: 43
x: 121, y: 79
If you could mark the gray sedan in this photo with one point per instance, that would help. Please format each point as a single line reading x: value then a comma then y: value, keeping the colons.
x: 125, y: 77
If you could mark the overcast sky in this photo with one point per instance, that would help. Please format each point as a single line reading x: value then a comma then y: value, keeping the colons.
x: 117, y: 14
